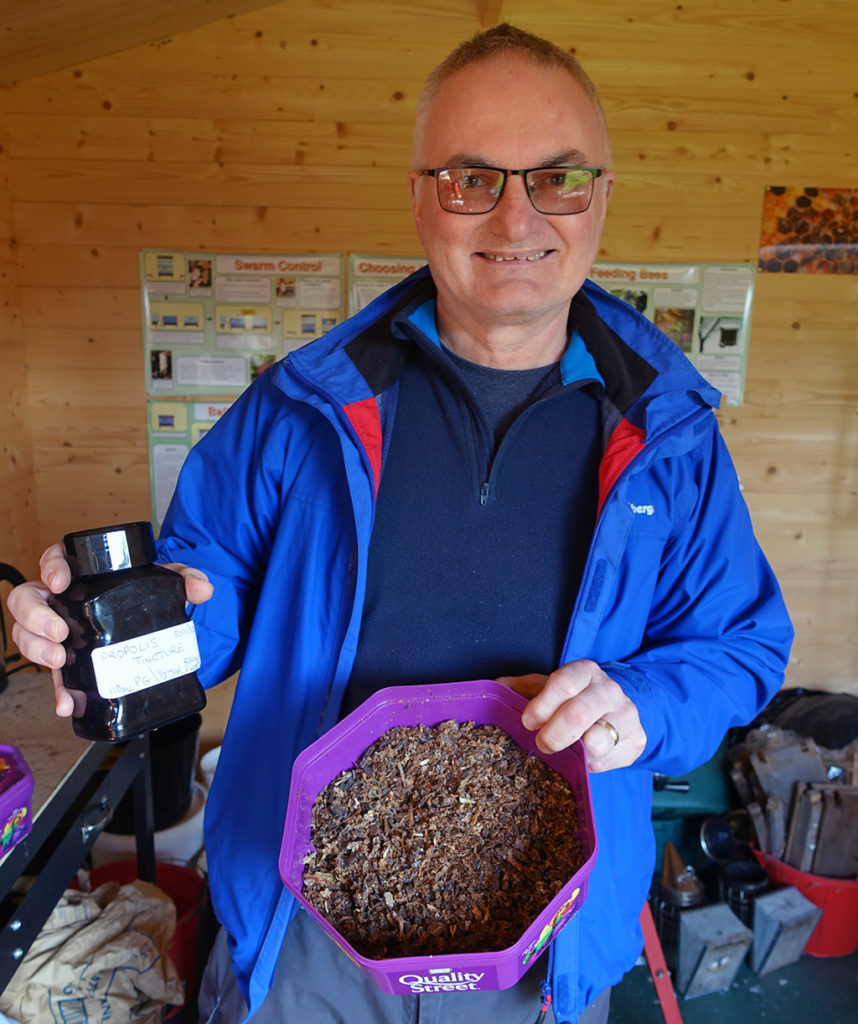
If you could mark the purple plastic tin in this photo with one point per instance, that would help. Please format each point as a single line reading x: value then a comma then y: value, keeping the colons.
x: 483, y: 702
x: 16, y: 794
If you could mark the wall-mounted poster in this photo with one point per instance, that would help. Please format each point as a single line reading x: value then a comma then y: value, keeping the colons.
x: 705, y: 308
x: 809, y: 231
x: 213, y: 322
x: 174, y: 428
x: 369, y: 276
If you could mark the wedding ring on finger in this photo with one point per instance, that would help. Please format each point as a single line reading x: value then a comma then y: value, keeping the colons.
x: 605, y: 724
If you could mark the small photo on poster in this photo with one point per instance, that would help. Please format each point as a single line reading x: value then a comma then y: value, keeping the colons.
x: 199, y: 430
x: 181, y: 323
x: 164, y: 267
x: 636, y: 298
x: 286, y: 291
x: 199, y: 274
x: 240, y: 320
x: 720, y: 335
x: 259, y: 364
x: 161, y: 364
x: 168, y: 417
x: 677, y: 324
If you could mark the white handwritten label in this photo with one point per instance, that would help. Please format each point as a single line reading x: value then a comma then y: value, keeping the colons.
x: 132, y: 665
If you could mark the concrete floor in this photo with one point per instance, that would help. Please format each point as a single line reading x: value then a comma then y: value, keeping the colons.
x: 816, y: 990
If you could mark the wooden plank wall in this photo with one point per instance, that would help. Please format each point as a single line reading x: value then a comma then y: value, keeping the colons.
x: 19, y: 535
x: 289, y: 129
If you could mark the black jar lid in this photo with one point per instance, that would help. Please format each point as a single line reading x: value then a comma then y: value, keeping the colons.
x: 108, y: 548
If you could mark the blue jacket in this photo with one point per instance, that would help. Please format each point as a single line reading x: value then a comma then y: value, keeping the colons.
x: 677, y: 603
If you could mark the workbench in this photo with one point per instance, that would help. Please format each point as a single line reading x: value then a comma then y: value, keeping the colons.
x: 76, y: 786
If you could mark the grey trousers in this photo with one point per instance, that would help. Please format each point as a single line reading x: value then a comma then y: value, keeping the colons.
x: 315, y: 983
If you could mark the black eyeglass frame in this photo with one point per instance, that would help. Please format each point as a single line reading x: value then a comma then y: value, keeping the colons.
x: 435, y: 172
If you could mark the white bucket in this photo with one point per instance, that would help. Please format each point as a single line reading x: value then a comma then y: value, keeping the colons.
x: 208, y: 763
x: 180, y: 843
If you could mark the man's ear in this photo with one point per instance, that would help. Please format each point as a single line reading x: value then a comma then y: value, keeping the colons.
x: 413, y: 179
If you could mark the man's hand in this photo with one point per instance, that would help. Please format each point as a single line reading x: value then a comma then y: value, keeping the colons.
x: 39, y: 632
x: 579, y: 701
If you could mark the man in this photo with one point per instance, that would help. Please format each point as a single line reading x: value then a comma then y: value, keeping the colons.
x: 496, y: 470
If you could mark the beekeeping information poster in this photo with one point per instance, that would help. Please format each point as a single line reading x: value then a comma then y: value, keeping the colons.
x: 213, y: 322
x: 369, y: 276
x: 705, y: 308
x: 175, y: 425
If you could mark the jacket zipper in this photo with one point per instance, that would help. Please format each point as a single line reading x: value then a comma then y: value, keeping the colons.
x: 493, y: 458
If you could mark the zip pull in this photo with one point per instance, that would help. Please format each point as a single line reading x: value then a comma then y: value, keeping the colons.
x: 546, y: 1001
x: 484, y: 493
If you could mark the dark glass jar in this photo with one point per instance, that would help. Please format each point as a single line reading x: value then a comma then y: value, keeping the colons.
x: 131, y: 652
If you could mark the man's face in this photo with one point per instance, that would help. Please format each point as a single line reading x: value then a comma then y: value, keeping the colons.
x: 513, y: 265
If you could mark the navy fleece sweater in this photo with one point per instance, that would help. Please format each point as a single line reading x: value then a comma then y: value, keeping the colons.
x: 485, y: 513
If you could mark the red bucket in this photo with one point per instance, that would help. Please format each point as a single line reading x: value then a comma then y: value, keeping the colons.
x: 184, y: 886
x: 836, y: 933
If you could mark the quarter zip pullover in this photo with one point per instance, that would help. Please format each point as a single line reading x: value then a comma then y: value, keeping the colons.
x: 484, y: 518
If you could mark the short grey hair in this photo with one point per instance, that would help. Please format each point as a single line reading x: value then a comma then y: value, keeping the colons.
x: 501, y: 41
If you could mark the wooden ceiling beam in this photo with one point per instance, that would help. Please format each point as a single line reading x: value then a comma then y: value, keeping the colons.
x: 39, y: 36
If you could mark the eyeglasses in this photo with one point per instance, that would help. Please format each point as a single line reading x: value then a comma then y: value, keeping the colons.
x: 554, y: 190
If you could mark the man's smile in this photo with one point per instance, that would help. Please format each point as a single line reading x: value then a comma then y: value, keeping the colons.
x: 500, y: 258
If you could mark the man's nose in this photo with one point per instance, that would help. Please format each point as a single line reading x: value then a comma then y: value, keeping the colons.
x: 514, y: 208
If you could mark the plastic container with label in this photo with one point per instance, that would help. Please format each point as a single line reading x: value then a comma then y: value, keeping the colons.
x: 131, y: 652
x: 16, y: 795
x: 483, y: 702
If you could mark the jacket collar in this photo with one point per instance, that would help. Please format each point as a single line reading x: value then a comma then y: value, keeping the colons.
x: 645, y: 375
x: 576, y: 365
